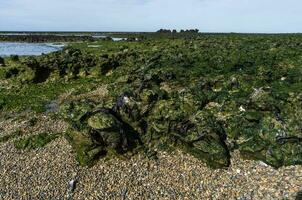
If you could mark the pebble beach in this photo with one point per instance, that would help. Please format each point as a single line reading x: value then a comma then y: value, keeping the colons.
x: 52, y: 172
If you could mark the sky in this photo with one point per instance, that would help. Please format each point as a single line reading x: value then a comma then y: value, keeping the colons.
x: 257, y: 16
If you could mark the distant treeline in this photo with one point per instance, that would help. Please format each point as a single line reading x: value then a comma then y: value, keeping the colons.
x: 175, y: 31
x: 41, y: 37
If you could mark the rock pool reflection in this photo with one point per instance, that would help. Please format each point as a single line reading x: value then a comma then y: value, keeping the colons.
x: 27, y: 49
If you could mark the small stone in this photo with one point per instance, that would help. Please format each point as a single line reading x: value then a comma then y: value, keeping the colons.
x: 72, y: 185
x: 263, y: 164
x: 242, y: 109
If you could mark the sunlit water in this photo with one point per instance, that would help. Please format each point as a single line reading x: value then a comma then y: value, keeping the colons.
x: 27, y: 49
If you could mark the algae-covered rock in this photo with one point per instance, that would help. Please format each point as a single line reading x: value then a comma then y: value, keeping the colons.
x: 96, y: 132
x: 196, y: 95
x: 128, y: 108
x: 135, y: 107
x: 273, y: 143
x: 102, y: 121
x: 166, y: 115
x: 73, y: 111
x: 14, y: 58
x: 87, y: 152
x: 192, y: 121
x: 107, y: 130
x: 11, y: 72
x: 263, y: 100
x: 204, y: 137
x: 35, y: 141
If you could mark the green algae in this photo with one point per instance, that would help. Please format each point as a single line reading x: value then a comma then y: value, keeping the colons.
x: 35, y: 141
x: 8, y: 137
x: 192, y: 94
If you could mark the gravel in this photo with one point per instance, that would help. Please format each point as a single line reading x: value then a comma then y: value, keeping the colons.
x: 52, y: 173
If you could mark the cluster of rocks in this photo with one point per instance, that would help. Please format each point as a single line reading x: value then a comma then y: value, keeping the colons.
x: 147, y: 119
x: 188, y: 95
x: 14, y: 58
x: 196, y: 118
x: 150, y: 117
x: 67, y: 64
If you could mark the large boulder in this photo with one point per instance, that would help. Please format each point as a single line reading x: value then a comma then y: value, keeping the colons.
x: 277, y: 136
x: 107, y: 130
x: 165, y: 116
x: 204, y: 137
x: 87, y: 152
x: 95, y: 132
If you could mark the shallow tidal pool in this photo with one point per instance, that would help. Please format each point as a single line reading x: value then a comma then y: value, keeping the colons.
x: 27, y: 49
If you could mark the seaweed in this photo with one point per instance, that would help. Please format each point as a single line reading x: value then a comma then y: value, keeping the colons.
x: 35, y: 141
x: 193, y: 92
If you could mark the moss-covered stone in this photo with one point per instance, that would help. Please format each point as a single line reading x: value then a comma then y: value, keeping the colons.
x: 107, y: 130
x: 87, y: 152
x: 35, y: 141
x: 205, y: 139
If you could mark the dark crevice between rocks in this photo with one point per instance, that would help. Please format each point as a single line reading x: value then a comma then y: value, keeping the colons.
x: 299, y: 195
x: 12, y: 73
x: 41, y: 75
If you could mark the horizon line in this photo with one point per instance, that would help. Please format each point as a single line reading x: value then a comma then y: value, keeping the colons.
x: 89, y: 31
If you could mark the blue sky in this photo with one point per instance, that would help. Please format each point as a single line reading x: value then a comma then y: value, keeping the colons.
x: 150, y: 15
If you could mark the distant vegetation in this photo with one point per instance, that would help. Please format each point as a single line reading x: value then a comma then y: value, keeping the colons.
x: 175, y: 31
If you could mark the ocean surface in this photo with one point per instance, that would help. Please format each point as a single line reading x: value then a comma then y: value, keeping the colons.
x: 27, y: 49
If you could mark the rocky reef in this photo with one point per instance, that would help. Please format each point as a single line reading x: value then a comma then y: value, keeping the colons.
x: 208, y: 96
